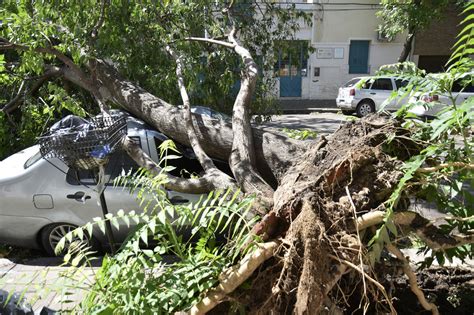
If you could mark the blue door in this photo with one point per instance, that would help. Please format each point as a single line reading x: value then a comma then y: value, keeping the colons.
x: 359, y: 56
x: 292, y: 58
x: 290, y: 86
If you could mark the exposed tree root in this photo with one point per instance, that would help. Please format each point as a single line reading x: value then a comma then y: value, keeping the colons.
x: 233, y: 277
x: 314, y: 210
x: 412, y: 279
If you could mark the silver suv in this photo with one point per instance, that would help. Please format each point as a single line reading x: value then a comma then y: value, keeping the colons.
x: 365, y: 95
x: 42, y: 200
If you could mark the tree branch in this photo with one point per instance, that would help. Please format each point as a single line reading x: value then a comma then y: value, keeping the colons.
x: 430, y: 234
x: 461, y: 165
x: 192, y: 186
x: 16, y: 101
x: 412, y: 279
x: 242, y: 158
x: 221, y: 180
x: 205, y: 161
x: 100, y: 21
x: 211, y: 41
x: 232, y: 278
x: 80, y: 77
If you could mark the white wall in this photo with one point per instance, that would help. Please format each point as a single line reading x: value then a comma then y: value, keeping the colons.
x: 334, y: 28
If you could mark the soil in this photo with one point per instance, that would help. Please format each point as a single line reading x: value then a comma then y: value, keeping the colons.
x: 17, y: 254
x: 451, y: 289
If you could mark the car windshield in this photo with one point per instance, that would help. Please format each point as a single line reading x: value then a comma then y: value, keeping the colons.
x: 32, y: 160
x: 352, y: 82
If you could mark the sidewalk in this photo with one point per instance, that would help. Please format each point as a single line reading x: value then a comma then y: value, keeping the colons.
x: 42, y: 282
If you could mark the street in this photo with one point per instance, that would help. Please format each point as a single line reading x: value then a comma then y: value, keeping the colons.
x: 321, y: 122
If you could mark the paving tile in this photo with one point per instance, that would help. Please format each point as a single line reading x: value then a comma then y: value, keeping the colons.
x: 5, y: 266
x: 44, y: 301
x: 41, y: 281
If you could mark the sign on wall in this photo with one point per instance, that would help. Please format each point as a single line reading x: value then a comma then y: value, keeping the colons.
x: 324, y: 53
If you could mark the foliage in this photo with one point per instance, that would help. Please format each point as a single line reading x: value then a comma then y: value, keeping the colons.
x: 133, y: 35
x: 442, y: 173
x: 300, y: 134
x: 141, y: 277
x: 399, y: 16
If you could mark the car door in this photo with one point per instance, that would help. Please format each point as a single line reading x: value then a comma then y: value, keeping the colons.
x: 462, y: 92
x: 82, y: 190
x: 117, y: 195
x: 402, y: 97
x: 380, y: 92
x: 186, y: 166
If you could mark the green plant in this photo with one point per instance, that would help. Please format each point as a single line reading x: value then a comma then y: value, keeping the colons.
x: 443, y: 171
x: 300, y: 134
x: 139, y: 278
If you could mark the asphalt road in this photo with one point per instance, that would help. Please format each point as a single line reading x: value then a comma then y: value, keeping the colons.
x: 322, y: 123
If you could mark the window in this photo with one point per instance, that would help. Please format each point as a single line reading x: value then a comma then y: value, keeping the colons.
x: 352, y: 82
x: 460, y: 86
x: 382, y: 84
x: 118, y: 162
x: 32, y: 160
x: 400, y: 83
x: 186, y: 165
x: 359, y: 56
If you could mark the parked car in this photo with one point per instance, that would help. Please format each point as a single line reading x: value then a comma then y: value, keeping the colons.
x: 206, y: 111
x: 365, y: 95
x: 42, y: 200
x: 428, y: 105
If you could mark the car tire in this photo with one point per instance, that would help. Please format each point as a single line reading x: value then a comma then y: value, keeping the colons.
x: 364, y: 108
x: 51, y: 235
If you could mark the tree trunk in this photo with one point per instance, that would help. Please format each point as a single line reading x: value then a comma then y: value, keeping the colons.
x: 407, y: 46
x: 274, y: 152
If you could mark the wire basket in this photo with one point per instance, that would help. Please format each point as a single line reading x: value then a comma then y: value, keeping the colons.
x: 86, y: 146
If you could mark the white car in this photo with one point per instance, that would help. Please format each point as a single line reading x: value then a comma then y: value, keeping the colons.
x: 42, y: 200
x: 428, y: 105
x: 368, y: 96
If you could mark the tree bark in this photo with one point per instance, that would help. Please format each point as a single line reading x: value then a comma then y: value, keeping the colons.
x: 242, y: 159
x: 275, y: 153
x: 407, y: 46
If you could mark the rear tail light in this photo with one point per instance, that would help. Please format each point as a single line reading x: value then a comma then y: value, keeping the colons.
x: 352, y: 92
x: 429, y: 98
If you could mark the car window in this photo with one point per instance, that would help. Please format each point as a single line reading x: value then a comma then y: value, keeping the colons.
x: 382, y: 84
x: 399, y: 83
x: 459, y: 86
x: 119, y: 162
x: 185, y: 166
x: 32, y: 160
x: 352, y: 82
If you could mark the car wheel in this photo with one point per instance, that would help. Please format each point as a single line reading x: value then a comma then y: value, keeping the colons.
x: 364, y: 108
x: 52, y: 234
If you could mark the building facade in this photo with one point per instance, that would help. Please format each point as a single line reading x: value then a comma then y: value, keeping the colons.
x: 345, y: 44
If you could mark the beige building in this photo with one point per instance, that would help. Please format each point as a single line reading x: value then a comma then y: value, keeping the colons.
x: 346, y: 44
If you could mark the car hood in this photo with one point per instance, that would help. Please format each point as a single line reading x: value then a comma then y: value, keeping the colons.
x: 13, y: 166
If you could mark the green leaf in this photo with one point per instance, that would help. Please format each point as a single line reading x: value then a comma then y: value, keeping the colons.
x: 80, y: 233
x: 144, y: 236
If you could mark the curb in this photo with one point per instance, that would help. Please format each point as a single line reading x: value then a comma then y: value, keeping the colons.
x: 310, y: 110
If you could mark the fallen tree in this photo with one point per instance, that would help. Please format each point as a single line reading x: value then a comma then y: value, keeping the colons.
x: 321, y: 202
